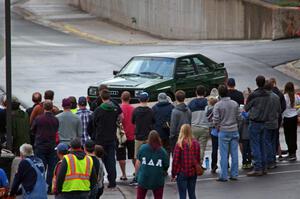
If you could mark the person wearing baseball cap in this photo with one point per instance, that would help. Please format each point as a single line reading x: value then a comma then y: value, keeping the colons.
x: 233, y: 93
x: 143, y: 118
x: 61, y: 150
x: 85, y: 116
x: 69, y: 124
x: 78, y: 182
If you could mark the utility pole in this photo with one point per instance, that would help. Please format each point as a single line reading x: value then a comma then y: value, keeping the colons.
x: 8, y: 73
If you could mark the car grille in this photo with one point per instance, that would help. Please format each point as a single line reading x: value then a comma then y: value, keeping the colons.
x: 116, y: 93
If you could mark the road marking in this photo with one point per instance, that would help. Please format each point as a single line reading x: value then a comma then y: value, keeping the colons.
x: 28, y: 42
x: 288, y: 164
x: 48, y: 43
x: 243, y: 176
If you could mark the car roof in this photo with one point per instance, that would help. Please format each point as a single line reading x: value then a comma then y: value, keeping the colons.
x: 166, y: 54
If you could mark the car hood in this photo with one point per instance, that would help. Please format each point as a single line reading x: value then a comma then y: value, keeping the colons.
x: 132, y: 82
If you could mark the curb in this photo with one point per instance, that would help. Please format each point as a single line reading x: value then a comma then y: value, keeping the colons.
x: 67, y: 28
x: 73, y: 30
x: 290, y: 69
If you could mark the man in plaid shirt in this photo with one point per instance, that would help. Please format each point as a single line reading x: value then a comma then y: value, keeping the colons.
x: 84, y: 115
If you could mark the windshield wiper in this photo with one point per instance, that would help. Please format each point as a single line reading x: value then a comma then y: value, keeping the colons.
x: 128, y: 74
x: 152, y: 73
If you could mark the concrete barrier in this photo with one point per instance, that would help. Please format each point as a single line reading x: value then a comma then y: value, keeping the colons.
x: 197, y: 19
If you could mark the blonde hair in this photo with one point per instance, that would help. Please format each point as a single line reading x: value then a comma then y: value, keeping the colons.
x: 185, y: 135
x: 212, y: 100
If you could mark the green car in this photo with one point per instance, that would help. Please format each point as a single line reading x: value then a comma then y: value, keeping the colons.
x: 163, y: 72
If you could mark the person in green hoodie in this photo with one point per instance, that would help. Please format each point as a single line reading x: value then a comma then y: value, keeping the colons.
x: 20, y: 126
x: 151, y: 166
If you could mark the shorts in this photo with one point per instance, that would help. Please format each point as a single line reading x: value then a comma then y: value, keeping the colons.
x: 121, y: 152
x: 137, y: 146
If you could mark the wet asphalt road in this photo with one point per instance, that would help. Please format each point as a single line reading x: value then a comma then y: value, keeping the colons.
x: 46, y: 59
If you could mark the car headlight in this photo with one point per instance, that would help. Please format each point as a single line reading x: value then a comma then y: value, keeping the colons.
x: 137, y: 93
x: 92, y: 91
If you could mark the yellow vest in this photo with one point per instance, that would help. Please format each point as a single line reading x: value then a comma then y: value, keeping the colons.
x: 78, y: 173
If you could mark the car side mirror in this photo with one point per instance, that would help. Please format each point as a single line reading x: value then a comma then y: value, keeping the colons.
x: 180, y: 75
x: 115, y: 72
x: 221, y: 65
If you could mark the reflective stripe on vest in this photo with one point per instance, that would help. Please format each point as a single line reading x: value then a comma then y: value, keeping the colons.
x: 78, y: 173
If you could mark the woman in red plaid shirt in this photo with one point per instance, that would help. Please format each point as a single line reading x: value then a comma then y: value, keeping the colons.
x: 186, y: 157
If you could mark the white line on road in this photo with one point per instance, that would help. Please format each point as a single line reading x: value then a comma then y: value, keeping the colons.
x: 243, y: 176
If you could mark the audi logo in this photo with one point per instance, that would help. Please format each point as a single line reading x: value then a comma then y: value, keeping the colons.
x: 114, y: 92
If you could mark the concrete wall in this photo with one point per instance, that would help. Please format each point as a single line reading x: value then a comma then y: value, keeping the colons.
x: 258, y: 23
x: 192, y: 19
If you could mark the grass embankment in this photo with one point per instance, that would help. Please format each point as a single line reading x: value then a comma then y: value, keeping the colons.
x: 289, y: 3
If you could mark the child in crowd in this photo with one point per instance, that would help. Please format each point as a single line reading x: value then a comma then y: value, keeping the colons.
x: 61, y: 150
x: 99, y: 152
x: 89, y: 149
x: 212, y: 100
x: 244, y: 135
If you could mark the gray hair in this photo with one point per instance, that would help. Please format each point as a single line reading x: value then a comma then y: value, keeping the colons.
x: 26, y: 150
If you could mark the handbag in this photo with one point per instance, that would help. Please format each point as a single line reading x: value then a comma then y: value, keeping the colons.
x: 199, y: 170
x: 121, y: 136
x: 198, y: 167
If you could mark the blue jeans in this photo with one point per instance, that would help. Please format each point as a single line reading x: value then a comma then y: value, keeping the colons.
x: 186, y: 184
x: 258, y: 146
x: 271, y: 147
x: 109, y: 161
x: 49, y: 159
x: 229, y: 142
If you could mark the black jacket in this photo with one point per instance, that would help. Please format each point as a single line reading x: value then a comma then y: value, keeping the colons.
x: 257, y: 105
x: 281, y: 97
x: 162, y: 114
x: 143, y: 118
x: 63, y: 170
x: 105, y: 123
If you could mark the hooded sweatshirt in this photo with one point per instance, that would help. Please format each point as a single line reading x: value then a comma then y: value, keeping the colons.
x: 162, y: 113
x: 143, y: 118
x: 181, y: 114
x: 20, y: 129
x: 105, y: 123
x: 63, y: 170
x: 197, y: 106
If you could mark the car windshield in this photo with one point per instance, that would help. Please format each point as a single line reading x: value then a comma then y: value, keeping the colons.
x: 149, y: 66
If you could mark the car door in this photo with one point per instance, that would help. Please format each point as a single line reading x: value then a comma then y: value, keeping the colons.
x: 205, y: 72
x: 185, y: 74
